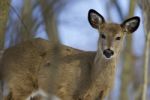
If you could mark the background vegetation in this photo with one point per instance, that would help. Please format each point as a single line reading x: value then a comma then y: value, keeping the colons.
x: 65, y: 22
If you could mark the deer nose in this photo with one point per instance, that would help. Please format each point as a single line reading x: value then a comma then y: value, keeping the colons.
x: 108, y: 53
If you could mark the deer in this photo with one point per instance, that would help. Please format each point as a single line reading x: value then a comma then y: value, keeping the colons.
x: 38, y: 70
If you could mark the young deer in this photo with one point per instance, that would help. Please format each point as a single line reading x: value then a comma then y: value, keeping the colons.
x: 38, y: 70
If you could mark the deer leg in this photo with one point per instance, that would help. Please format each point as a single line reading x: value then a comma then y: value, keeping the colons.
x: 8, y: 97
x: 102, y: 95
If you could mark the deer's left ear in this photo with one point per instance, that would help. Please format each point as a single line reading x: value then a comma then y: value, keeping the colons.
x: 130, y: 25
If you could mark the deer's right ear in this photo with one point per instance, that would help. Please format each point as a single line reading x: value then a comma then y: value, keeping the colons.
x: 95, y: 19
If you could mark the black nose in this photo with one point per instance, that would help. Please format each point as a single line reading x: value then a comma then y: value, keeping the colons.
x: 108, y: 53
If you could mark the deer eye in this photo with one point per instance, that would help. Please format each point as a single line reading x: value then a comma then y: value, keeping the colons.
x: 118, y: 38
x: 103, y: 36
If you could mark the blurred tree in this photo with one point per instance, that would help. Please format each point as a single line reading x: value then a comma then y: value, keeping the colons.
x: 23, y: 27
x: 119, y: 10
x: 26, y: 30
x: 127, y: 72
x: 26, y: 27
x: 4, y: 10
x: 49, y: 17
x: 146, y: 8
x: 50, y: 11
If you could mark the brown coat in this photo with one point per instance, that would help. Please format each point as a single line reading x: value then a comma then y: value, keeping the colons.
x: 34, y: 65
x: 39, y: 70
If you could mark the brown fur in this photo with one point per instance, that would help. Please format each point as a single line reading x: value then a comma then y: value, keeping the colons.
x: 32, y: 65
x: 61, y: 71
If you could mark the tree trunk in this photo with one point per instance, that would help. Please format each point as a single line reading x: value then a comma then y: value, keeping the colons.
x: 50, y: 20
x: 126, y: 77
x: 4, y: 10
x: 26, y: 30
x: 146, y: 9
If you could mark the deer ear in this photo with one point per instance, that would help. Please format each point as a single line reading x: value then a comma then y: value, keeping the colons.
x: 130, y: 25
x: 95, y: 19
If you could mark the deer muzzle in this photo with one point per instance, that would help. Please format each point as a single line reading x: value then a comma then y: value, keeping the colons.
x: 108, y: 53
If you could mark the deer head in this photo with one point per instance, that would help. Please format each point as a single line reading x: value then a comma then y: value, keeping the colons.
x: 111, y: 34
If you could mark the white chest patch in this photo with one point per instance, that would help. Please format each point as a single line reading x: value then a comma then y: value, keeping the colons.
x: 38, y: 93
x: 44, y: 95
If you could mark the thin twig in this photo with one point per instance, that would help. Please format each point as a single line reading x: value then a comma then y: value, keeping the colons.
x: 19, y: 17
